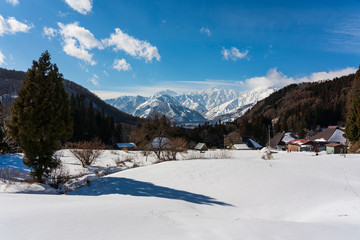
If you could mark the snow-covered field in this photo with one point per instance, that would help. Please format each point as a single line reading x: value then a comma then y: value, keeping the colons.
x: 293, y: 196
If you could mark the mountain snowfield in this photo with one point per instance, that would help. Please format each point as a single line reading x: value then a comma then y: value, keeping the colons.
x: 196, y: 107
x: 294, y: 196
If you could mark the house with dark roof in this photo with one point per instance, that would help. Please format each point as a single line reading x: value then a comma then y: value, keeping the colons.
x: 245, y: 143
x: 280, y: 140
x: 330, y: 135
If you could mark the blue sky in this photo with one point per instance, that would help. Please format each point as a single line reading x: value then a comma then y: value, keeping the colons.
x: 132, y: 47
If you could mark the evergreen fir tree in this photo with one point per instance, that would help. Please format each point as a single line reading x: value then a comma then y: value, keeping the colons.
x: 353, y: 116
x: 41, y: 116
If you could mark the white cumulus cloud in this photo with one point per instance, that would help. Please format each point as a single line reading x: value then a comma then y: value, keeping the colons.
x: 277, y: 79
x: 206, y: 31
x: 77, y: 41
x: 2, y: 58
x: 12, y: 26
x: 136, y: 48
x: 233, y: 53
x: 94, y: 80
x: 13, y: 2
x: 49, y: 32
x: 121, y: 65
x: 82, y: 6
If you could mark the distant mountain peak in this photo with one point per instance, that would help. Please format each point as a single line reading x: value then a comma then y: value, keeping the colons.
x: 216, y: 103
x: 167, y: 92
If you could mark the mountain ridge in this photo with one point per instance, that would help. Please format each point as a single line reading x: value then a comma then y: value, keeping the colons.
x: 195, y: 107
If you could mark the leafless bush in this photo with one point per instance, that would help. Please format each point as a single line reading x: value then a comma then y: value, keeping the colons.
x: 121, y: 160
x: 354, y: 147
x: 176, y: 145
x: 12, y: 174
x: 58, y: 176
x: 87, y: 152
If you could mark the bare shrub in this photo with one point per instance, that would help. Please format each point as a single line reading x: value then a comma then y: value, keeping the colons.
x: 135, y: 165
x: 58, y: 176
x: 176, y: 145
x: 354, y: 147
x: 121, y: 160
x: 12, y: 174
x: 88, y: 152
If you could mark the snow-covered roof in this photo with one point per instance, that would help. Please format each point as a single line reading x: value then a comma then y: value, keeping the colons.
x: 126, y: 145
x: 338, y: 137
x: 255, y: 144
x: 200, y: 146
x: 288, y: 137
x: 240, y: 147
x: 299, y: 142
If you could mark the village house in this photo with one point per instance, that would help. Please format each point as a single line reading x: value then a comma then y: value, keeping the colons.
x: 201, y: 147
x: 330, y: 135
x: 280, y: 140
x: 246, y: 143
x: 301, y: 145
x: 335, y: 148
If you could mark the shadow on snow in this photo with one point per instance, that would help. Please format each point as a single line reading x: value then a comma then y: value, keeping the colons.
x: 126, y: 186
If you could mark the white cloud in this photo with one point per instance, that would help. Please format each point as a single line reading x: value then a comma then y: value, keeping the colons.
x: 206, y: 31
x: 12, y: 26
x: 121, y: 65
x: 77, y: 41
x: 94, y: 80
x: 13, y: 2
x: 233, y: 53
x: 277, y: 79
x: 49, y: 32
x: 82, y: 6
x: 2, y: 58
x: 136, y: 48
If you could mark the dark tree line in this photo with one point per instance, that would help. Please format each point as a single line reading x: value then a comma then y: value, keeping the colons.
x: 212, y: 135
x: 90, y: 123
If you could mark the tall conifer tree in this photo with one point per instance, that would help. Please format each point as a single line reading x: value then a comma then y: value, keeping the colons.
x: 41, y: 116
x: 353, y: 115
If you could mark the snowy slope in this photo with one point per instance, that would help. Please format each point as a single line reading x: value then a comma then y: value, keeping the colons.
x: 295, y: 196
x: 169, y: 106
x: 193, y: 107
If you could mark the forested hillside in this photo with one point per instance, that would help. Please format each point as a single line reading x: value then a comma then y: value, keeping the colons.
x: 11, y: 81
x: 298, y: 107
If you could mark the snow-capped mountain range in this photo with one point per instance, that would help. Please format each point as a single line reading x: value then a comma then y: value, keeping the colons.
x: 197, y: 107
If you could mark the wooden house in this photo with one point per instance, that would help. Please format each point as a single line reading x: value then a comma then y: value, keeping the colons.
x: 301, y: 145
x: 201, y: 147
x: 335, y: 148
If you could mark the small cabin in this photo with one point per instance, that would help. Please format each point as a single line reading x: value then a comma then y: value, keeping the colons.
x: 201, y: 147
x: 335, y: 148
